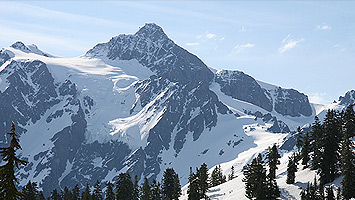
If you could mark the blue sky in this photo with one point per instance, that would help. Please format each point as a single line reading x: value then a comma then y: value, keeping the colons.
x: 308, y: 46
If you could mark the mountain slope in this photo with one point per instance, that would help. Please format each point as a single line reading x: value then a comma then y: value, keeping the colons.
x: 138, y: 103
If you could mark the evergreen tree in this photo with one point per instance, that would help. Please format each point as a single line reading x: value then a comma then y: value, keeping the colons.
x: 339, y: 197
x: 8, y: 180
x: 330, y: 194
x: 135, y: 188
x: 330, y: 158
x: 146, y: 192
x: 231, y: 176
x: 273, y: 157
x: 156, y: 190
x: 86, y: 195
x: 30, y: 191
x: 305, y: 150
x: 109, y: 194
x: 75, y: 192
x: 97, y: 192
x: 41, y: 196
x: 193, y: 188
x: 299, y: 139
x: 124, y: 187
x: 55, y: 195
x: 202, y: 176
x: 291, y: 169
x: 273, y: 191
x: 317, y: 143
x: 171, y: 187
x: 255, y: 179
x: 348, y: 155
x: 67, y: 195
x: 217, y: 176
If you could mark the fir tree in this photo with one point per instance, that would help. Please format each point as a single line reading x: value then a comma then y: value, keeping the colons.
x: 348, y: 155
x: 299, y: 139
x: 330, y: 158
x: 291, y: 169
x: 171, y: 188
x: 273, y: 191
x: 30, y: 191
x: 41, y: 196
x: 76, y: 192
x: 217, y: 176
x: 67, y: 194
x: 109, y: 194
x: 202, y: 176
x: 273, y: 157
x: 86, y: 195
x: 146, y: 192
x: 135, y: 188
x: 255, y: 180
x: 317, y: 143
x: 231, y: 176
x: 156, y: 190
x: 55, y: 195
x: 305, y: 150
x: 97, y: 192
x: 330, y: 193
x: 193, y: 188
x: 8, y: 180
x: 124, y: 187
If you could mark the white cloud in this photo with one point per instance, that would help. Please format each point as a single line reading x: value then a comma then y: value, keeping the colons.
x: 210, y: 35
x: 289, y: 43
x: 192, y: 44
x: 339, y: 46
x: 323, y: 27
x: 240, y: 47
x: 243, y: 29
x: 318, y: 98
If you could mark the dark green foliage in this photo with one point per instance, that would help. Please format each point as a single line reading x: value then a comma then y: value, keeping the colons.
x: 8, y: 180
x: 75, y: 192
x: 135, y: 188
x: 217, y: 176
x: 156, y: 190
x: 330, y: 193
x: 97, y: 192
x: 317, y: 143
x: 339, y: 197
x: 291, y: 169
x: 109, y: 194
x: 124, y: 187
x: 146, y: 192
x: 30, y: 191
x: 171, y: 188
x: 299, y: 138
x: 86, y: 195
x: 67, y: 195
x: 348, y: 155
x: 231, y: 175
x: 330, y: 158
x: 193, y: 188
x: 272, y: 161
x: 305, y: 150
x: 273, y: 191
x: 255, y: 179
x: 202, y: 175
x: 55, y: 195
x: 41, y: 196
x: 311, y: 192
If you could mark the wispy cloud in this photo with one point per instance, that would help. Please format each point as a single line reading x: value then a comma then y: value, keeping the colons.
x: 289, y: 43
x: 192, y: 44
x: 318, y: 98
x: 206, y: 35
x: 323, y: 27
x: 243, y: 29
x: 339, y: 46
x: 241, y: 47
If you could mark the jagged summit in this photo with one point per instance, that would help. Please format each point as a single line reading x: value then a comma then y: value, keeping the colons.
x: 154, y: 50
x: 19, y: 45
x: 31, y: 48
x: 150, y: 29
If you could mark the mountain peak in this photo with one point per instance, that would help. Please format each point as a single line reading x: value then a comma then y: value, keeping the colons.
x: 19, y: 45
x: 150, y: 29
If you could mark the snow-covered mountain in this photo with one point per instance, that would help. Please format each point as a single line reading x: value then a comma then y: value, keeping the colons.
x: 138, y: 103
